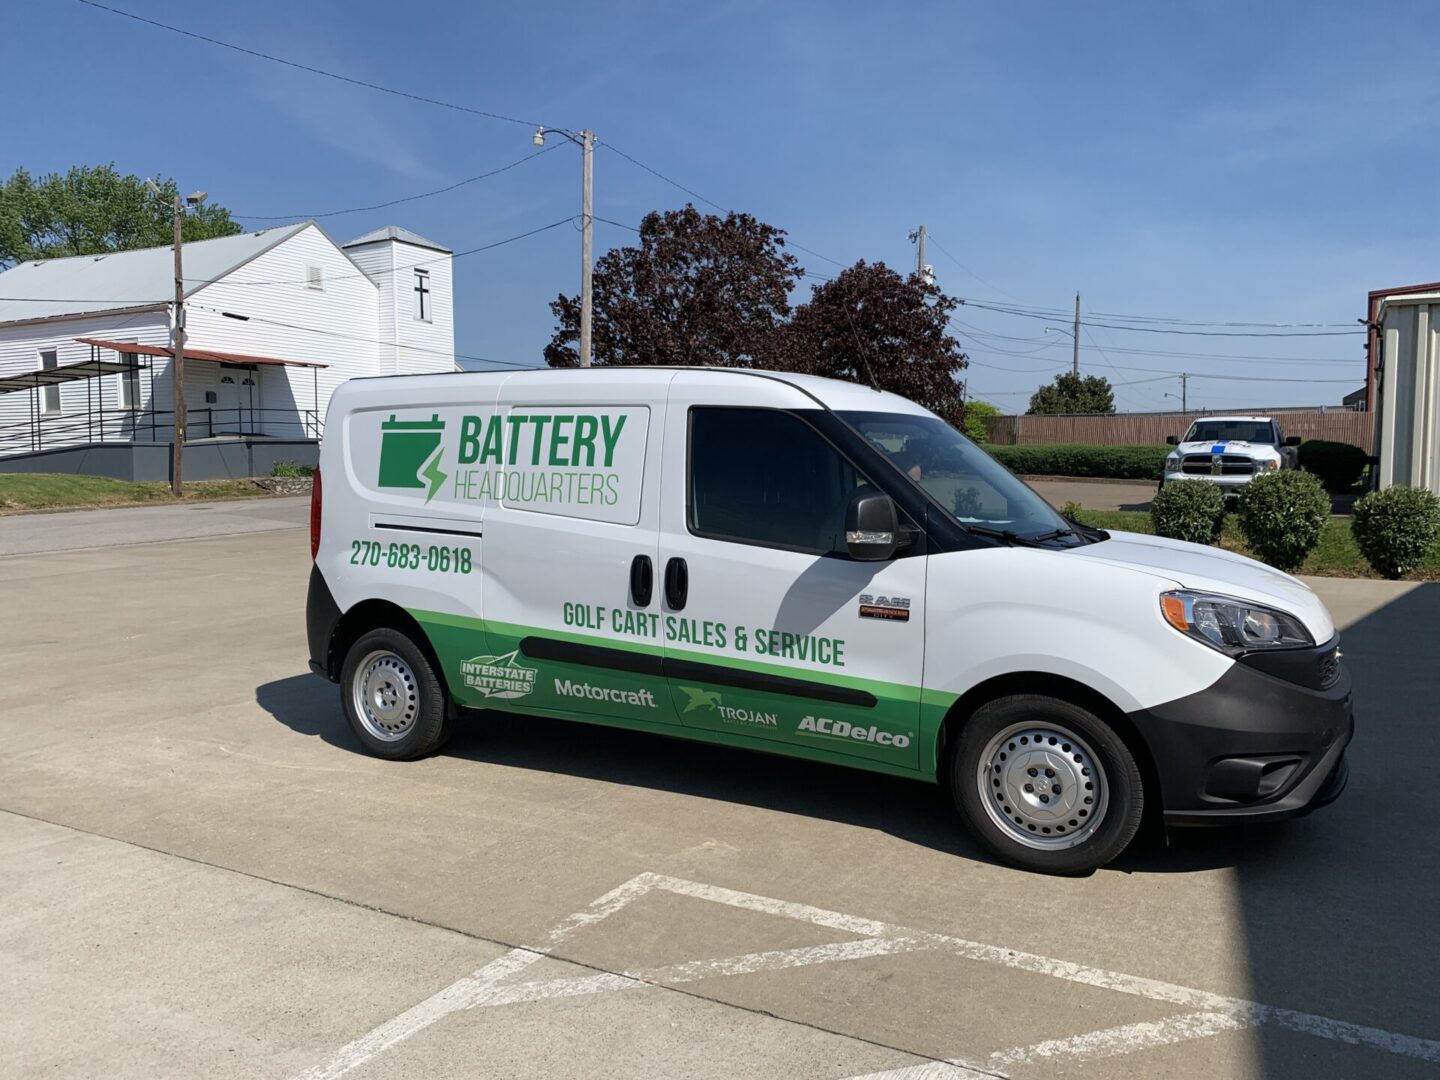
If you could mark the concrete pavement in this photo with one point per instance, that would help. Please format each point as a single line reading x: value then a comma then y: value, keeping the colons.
x: 71, y: 530
x: 204, y: 875
x: 1097, y: 494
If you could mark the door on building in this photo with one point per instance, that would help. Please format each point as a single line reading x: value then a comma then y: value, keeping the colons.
x: 230, y: 402
x: 772, y: 631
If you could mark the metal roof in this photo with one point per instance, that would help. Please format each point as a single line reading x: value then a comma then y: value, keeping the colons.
x: 395, y: 232
x: 86, y: 369
x: 88, y: 284
x: 214, y: 356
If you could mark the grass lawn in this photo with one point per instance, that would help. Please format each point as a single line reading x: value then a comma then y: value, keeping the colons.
x: 57, y: 491
x: 1334, y: 556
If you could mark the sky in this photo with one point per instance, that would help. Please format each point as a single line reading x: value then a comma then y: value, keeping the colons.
x: 1208, y: 162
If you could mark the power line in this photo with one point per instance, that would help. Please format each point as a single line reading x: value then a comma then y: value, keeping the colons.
x: 978, y: 332
x: 656, y: 173
x: 409, y: 266
x: 962, y: 266
x: 1163, y: 330
x: 1053, y: 312
x: 240, y: 317
x: 405, y: 199
x: 308, y: 67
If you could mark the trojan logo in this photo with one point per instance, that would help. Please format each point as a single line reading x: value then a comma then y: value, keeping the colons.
x: 410, y: 454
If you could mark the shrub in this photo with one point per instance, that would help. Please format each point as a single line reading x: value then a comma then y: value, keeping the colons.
x: 976, y: 413
x: 1395, y: 528
x: 1337, y: 464
x: 1281, y: 515
x: 1192, y: 510
x: 1078, y: 459
x: 291, y: 470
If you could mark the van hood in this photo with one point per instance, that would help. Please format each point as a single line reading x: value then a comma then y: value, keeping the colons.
x: 1208, y: 569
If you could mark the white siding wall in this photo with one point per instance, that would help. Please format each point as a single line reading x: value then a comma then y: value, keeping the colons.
x: 20, y: 349
x: 377, y: 261
x: 336, y: 325
x: 419, y: 346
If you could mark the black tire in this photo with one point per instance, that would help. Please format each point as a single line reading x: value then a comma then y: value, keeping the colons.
x: 1078, y: 844
x: 395, y: 669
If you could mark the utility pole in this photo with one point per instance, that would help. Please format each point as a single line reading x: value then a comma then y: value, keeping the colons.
x: 1184, y: 401
x: 1075, y: 347
x: 177, y: 454
x: 586, y: 141
x: 587, y: 147
x: 922, y: 271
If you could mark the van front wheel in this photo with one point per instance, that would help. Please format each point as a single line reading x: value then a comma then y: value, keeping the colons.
x: 392, y: 698
x: 1046, y: 785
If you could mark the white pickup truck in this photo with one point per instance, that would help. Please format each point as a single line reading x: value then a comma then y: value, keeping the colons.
x: 1229, y: 451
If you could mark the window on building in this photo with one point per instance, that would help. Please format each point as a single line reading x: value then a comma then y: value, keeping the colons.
x: 422, y: 295
x: 129, y: 395
x: 761, y: 476
x: 49, y: 395
x: 315, y: 278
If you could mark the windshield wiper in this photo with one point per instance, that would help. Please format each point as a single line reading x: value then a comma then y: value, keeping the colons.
x: 1002, y: 534
x: 1015, y: 538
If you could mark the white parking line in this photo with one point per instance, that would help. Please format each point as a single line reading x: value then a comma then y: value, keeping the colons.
x: 1213, y: 1013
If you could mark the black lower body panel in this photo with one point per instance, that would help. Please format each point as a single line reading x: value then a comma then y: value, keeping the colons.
x: 321, y: 616
x: 1252, y: 746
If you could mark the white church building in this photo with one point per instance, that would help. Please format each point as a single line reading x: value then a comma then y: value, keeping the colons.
x: 273, y: 322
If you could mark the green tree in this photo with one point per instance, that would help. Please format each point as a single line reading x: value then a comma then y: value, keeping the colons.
x: 976, y: 413
x: 873, y: 326
x: 89, y: 211
x: 1071, y: 393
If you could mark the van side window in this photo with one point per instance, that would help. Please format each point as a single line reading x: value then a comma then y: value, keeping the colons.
x: 761, y: 476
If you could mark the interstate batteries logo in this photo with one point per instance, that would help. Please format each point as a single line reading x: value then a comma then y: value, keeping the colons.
x: 698, y: 700
x: 502, y: 677
x: 843, y: 729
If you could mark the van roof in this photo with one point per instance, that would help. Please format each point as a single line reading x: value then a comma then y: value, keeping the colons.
x: 835, y: 394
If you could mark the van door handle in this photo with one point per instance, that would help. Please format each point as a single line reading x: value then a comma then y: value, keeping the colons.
x: 677, y: 584
x: 642, y: 580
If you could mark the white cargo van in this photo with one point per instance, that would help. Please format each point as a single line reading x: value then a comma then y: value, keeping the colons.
x: 813, y: 568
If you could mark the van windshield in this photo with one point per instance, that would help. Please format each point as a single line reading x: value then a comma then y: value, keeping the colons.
x: 974, y: 488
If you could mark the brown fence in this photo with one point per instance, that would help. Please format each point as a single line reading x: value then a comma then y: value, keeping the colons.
x: 1150, y: 429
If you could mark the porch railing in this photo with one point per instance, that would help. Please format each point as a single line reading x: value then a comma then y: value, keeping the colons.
x: 156, y: 425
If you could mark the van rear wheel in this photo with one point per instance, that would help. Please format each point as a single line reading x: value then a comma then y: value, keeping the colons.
x: 393, y: 700
x: 1046, y: 785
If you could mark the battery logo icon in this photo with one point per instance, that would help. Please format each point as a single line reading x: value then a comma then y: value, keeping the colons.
x: 405, y: 447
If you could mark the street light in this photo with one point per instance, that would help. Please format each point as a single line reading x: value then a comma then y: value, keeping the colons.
x: 586, y: 141
x: 177, y: 379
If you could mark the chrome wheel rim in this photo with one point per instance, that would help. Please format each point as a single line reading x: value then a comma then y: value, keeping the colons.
x: 385, y: 695
x: 1043, y: 785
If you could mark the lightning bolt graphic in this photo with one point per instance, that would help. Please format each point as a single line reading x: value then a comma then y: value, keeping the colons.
x: 431, y: 471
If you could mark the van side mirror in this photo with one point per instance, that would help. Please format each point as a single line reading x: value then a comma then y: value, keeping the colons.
x: 1172, y: 440
x: 1291, y: 440
x: 872, y: 527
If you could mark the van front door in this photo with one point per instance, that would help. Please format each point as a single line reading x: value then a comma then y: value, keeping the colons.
x: 571, y: 606
x: 773, y: 633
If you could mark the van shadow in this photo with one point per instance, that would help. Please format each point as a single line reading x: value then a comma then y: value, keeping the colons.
x: 916, y: 812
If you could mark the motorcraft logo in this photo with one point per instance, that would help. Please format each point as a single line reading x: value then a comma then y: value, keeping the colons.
x: 843, y: 729
x: 609, y: 694
x: 502, y: 677
x: 697, y: 699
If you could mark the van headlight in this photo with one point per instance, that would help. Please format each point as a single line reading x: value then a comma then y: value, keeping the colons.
x: 1230, y: 625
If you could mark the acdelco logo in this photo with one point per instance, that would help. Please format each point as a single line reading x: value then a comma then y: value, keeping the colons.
x: 843, y: 729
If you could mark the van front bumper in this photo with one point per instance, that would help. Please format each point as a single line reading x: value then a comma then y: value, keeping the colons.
x: 1265, y: 742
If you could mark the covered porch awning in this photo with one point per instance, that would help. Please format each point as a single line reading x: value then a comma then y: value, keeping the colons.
x: 86, y: 369
x: 214, y: 356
